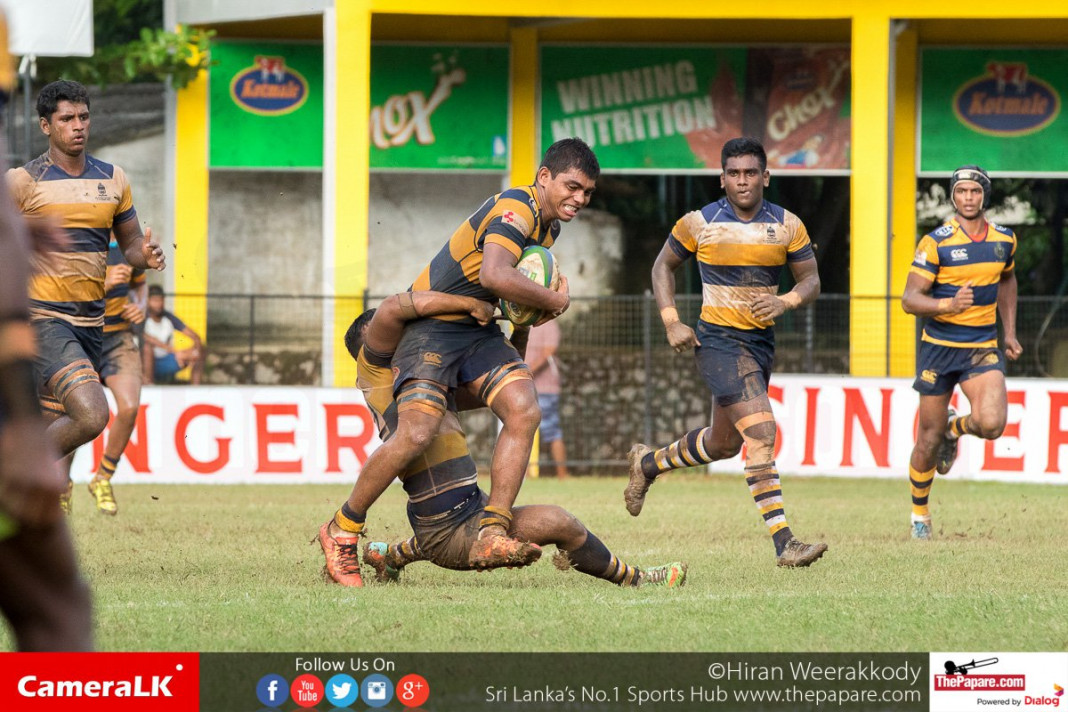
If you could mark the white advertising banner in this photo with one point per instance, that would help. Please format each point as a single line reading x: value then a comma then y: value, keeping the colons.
x: 227, y: 435
x: 828, y: 425
x: 839, y: 425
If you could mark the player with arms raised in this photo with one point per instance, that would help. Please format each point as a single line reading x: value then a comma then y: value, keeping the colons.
x: 961, y: 278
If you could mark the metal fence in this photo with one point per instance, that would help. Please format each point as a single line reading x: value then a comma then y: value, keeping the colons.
x: 620, y: 381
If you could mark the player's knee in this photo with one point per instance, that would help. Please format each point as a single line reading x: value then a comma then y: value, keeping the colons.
x: 990, y: 426
x: 416, y: 438
x: 722, y: 448
x: 127, y: 414
x: 521, y: 410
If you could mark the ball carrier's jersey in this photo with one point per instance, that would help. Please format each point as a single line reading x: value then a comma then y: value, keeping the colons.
x: 739, y: 259
x: 511, y: 219
x: 949, y: 258
x: 446, y: 464
x: 70, y: 284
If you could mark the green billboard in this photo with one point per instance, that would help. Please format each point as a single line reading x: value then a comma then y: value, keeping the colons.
x: 439, y: 107
x: 266, y: 105
x: 1000, y: 109
x: 653, y: 108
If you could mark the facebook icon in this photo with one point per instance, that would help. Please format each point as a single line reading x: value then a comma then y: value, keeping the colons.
x: 272, y: 690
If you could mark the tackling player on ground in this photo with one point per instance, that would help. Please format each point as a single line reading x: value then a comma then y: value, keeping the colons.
x: 445, y: 504
x: 961, y: 278
x: 741, y: 243
x: 441, y: 353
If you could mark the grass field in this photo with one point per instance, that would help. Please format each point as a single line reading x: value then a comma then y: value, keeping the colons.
x: 230, y: 568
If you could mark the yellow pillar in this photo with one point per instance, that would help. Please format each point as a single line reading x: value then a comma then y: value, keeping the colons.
x: 903, y: 237
x: 524, y: 158
x: 869, y: 193
x: 191, y: 204
x: 346, y: 183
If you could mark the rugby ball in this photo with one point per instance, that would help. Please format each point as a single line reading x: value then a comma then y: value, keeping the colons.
x: 537, y: 264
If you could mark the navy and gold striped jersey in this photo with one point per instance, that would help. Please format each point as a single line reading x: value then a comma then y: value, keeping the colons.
x: 70, y: 285
x: 511, y: 219
x: 948, y: 257
x: 119, y: 296
x: 446, y: 464
x: 739, y: 259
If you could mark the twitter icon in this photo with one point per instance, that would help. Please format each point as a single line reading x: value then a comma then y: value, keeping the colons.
x: 342, y: 690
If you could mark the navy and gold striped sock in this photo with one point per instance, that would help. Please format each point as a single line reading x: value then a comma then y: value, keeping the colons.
x: 764, y: 485
x: 961, y: 425
x: 403, y: 553
x: 920, y: 484
x: 687, y: 451
x: 594, y: 559
x: 495, y: 517
x: 349, y: 520
x: 106, y: 469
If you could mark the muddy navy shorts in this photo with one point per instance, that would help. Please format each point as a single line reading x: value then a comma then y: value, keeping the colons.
x: 940, y: 368
x: 726, y: 356
x: 60, y: 344
x: 449, y: 352
x: 446, y: 538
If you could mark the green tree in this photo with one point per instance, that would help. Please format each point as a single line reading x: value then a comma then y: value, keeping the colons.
x: 132, y: 46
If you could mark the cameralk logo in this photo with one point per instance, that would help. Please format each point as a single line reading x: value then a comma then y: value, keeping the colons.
x: 154, y: 686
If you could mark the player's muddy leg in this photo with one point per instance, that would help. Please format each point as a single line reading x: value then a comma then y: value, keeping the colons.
x: 78, y: 388
x: 756, y: 424
x: 580, y: 549
x: 515, y: 402
x: 422, y: 408
x: 989, y: 402
x: 719, y: 441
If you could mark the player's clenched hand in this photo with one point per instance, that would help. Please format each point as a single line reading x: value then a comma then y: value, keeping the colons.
x: 565, y: 290
x: 153, y: 252
x: 767, y: 306
x: 963, y: 299
x: 30, y: 481
x: 681, y: 337
x: 482, y: 312
x: 1013, y: 349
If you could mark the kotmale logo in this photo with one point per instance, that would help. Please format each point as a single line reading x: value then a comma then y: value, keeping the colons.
x: 342, y: 690
x: 269, y: 87
x: 272, y: 690
x: 1006, y: 101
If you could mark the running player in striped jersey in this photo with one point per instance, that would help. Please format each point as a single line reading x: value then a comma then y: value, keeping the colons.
x: 124, y: 307
x: 445, y: 503
x: 741, y: 243
x: 91, y: 199
x: 961, y: 278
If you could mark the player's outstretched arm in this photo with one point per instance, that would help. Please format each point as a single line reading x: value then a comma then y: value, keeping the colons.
x: 387, y: 326
x: 679, y: 335
x: 499, y: 275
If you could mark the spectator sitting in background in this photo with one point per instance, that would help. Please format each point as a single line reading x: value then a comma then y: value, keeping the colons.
x: 161, y: 361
